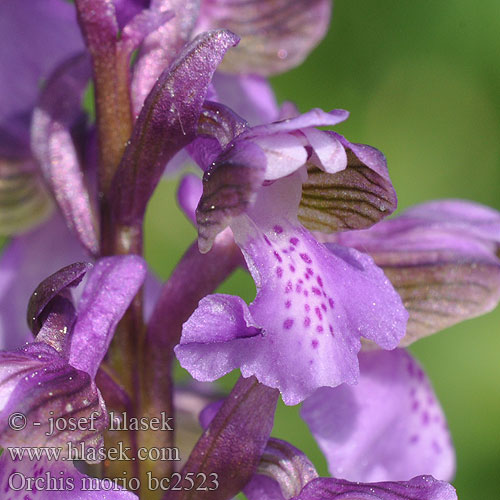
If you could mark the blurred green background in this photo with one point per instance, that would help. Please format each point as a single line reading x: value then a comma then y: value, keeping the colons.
x: 422, y: 82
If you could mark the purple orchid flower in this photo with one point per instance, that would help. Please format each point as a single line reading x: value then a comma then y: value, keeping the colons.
x: 303, y: 329
x: 53, y: 377
x: 285, y: 473
x: 387, y: 427
x: 276, y: 36
x: 443, y: 259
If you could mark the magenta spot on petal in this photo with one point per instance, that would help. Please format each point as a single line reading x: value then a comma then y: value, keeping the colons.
x: 278, y: 229
x: 307, y: 321
x: 413, y: 391
x: 420, y: 375
x: 298, y: 288
x: 288, y: 304
x: 436, y: 447
x: 278, y: 256
x: 425, y: 418
x: 320, y: 281
x: 294, y: 241
x: 288, y: 323
x: 323, y: 306
x: 310, y: 271
x: 306, y: 293
x: 411, y: 369
x: 288, y: 287
x: 306, y: 258
x: 279, y: 272
x: 307, y: 307
x: 315, y: 344
x: 319, y: 329
x: 292, y: 268
x: 316, y: 291
x: 307, y: 277
x: 301, y: 281
x: 291, y: 249
x: 317, y: 310
x: 414, y: 406
x: 266, y: 239
x: 284, y: 250
x: 330, y: 327
x: 332, y: 304
x: 414, y: 439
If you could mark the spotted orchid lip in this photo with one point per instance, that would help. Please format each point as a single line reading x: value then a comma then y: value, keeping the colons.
x: 312, y: 306
x: 392, y: 388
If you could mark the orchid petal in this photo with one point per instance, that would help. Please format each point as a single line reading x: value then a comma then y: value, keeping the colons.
x: 277, y: 35
x: 217, y: 127
x: 310, y: 318
x: 159, y: 48
x: 250, y: 96
x: 328, y: 150
x: 52, y: 144
x: 460, y: 215
x: 126, y: 10
x: 231, y: 341
x: 220, y: 122
x: 58, y: 319
x: 39, y: 383
x: 230, y: 187
x: 70, y: 484
x: 284, y: 148
x: 418, y: 488
x: 166, y: 124
x: 31, y: 48
x: 355, y: 198
x: 189, y: 194
x: 441, y: 258
x: 111, y: 287
x: 143, y: 24
x: 50, y: 243
x: 288, y: 466
x: 313, y: 118
x: 49, y: 288
x: 388, y: 426
x: 282, y: 473
x: 285, y: 154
